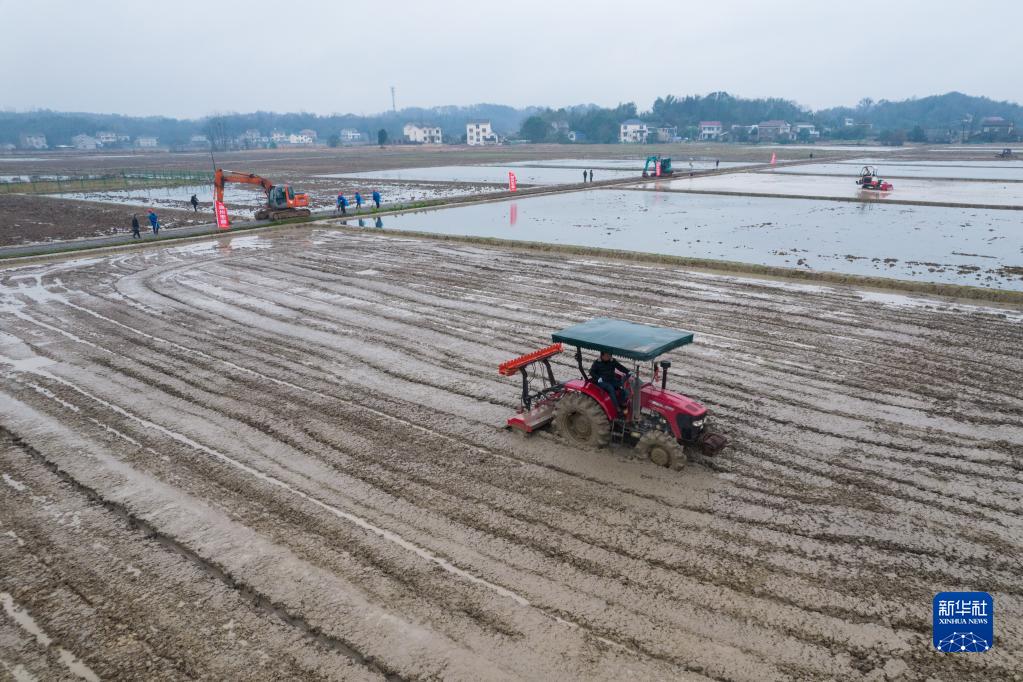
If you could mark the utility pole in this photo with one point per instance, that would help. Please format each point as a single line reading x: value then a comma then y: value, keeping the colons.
x: 394, y: 105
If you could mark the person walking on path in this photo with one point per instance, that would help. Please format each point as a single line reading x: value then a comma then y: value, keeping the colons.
x: 135, y: 233
x: 376, y: 198
x: 584, y: 176
x: 154, y: 221
x: 591, y: 175
x: 195, y: 203
x: 340, y: 198
x: 342, y: 204
x: 717, y: 162
x: 358, y: 202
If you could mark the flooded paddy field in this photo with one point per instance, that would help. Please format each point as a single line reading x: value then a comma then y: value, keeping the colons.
x: 277, y: 459
x: 627, y: 164
x: 525, y: 175
x: 322, y: 194
x: 908, y: 170
x: 993, y: 193
x: 317, y: 160
x: 957, y: 246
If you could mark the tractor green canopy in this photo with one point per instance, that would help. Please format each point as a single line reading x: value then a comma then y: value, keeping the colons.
x: 625, y: 339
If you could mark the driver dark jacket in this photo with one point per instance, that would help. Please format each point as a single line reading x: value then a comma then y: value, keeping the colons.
x: 605, y: 370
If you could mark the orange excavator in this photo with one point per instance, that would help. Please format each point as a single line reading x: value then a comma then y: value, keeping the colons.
x: 281, y: 201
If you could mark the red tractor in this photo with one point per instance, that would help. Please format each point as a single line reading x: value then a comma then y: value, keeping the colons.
x: 659, y: 422
x: 869, y: 180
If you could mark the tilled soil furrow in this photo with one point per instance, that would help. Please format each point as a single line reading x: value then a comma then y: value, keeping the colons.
x: 312, y: 391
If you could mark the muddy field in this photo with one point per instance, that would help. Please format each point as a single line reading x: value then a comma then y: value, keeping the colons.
x: 276, y: 457
x: 34, y: 218
x: 26, y: 219
x: 319, y: 160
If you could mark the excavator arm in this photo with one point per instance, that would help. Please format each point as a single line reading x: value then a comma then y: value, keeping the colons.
x: 281, y: 201
x: 222, y: 177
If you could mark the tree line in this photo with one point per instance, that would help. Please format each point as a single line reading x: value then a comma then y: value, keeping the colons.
x: 911, y: 119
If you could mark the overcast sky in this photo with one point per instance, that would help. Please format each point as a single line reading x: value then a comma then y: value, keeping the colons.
x: 191, y: 58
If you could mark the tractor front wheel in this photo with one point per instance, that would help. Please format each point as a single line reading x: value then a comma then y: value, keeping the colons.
x: 662, y: 449
x: 579, y: 418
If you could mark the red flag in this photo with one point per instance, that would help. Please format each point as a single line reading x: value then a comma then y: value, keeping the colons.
x: 513, y: 184
x: 222, y: 222
x: 774, y: 157
x: 657, y: 168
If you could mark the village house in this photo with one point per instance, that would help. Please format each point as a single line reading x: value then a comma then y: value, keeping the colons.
x: 710, y: 130
x: 808, y: 130
x: 662, y: 134
x: 559, y: 128
x: 422, y: 134
x: 774, y: 131
x: 146, y: 141
x: 633, y: 131
x: 278, y: 137
x: 350, y: 135
x: 300, y: 138
x: 32, y: 141
x: 479, y: 133
x: 996, y: 126
x: 84, y: 142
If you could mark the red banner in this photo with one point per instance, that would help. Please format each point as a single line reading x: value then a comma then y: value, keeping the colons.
x: 222, y: 222
x: 657, y: 168
x: 774, y: 158
x: 513, y: 184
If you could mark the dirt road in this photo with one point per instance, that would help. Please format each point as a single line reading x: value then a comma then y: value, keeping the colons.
x: 275, y: 457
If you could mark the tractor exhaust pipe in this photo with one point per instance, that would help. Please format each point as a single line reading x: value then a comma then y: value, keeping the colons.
x: 664, y: 374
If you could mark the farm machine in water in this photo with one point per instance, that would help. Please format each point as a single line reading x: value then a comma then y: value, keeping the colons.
x: 661, y: 166
x: 660, y: 423
x: 869, y: 179
x: 281, y: 200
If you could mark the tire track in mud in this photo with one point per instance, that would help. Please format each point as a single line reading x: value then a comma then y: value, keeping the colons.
x: 902, y: 458
x: 859, y: 439
x: 259, y: 601
x: 266, y: 479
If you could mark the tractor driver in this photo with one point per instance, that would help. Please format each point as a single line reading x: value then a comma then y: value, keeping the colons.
x: 603, y: 373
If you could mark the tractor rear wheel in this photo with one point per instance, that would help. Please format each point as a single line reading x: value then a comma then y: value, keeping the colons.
x: 579, y: 418
x: 662, y: 449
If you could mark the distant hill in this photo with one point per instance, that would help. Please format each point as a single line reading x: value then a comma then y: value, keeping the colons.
x: 60, y: 127
x: 598, y: 124
x: 937, y: 111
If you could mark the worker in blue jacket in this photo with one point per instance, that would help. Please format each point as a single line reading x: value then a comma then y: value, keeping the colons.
x: 376, y: 198
x: 358, y: 202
